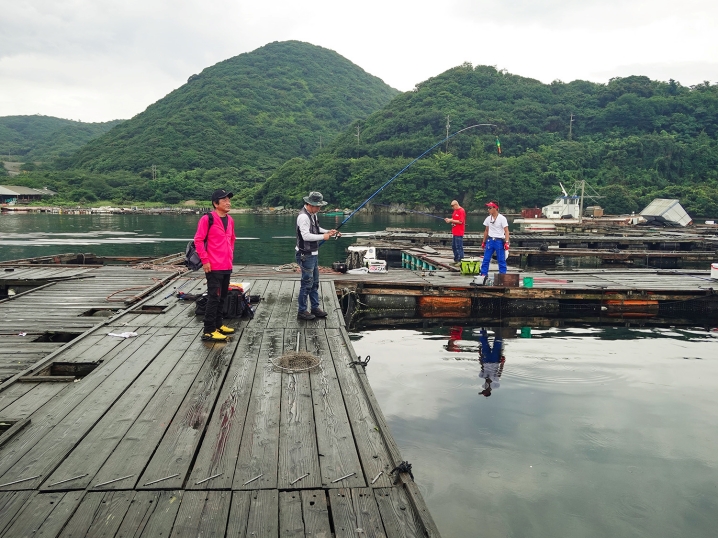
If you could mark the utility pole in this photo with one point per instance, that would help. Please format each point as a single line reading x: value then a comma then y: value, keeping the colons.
x: 448, y: 124
x: 570, y: 125
x: 357, y: 135
x: 580, y: 210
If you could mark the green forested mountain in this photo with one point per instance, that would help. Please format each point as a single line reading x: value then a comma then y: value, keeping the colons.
x: 250, y: 113
x: 633, y: 139
x: 44, y: 138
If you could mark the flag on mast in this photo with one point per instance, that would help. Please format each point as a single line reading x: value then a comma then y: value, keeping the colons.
x: 498, y: 145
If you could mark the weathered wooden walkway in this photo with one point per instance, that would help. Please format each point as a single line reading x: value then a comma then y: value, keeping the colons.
x: 53, y: 304
x: 172, y: 436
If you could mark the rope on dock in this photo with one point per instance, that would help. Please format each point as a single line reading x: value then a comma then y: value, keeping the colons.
x: 289, y: 267
x: 294, y: 268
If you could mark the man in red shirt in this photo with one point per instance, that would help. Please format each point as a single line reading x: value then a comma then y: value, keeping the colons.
x: 458, y: 223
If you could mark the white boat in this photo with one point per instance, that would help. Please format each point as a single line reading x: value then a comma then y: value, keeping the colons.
x: 567, y: 206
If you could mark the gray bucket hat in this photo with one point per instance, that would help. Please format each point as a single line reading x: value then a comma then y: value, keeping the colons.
x: 315, y: 198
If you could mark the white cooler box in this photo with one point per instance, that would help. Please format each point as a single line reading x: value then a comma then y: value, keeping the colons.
x: 376, y: 266
x: 714, y: 270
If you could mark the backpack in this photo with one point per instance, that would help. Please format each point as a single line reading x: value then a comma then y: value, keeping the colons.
x: 191, y: 258
x: 236, y: 305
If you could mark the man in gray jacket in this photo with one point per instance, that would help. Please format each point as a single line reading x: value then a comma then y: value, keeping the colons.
x: 309, y: 233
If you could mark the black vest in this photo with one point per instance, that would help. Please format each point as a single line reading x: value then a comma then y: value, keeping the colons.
x: 307, y: 247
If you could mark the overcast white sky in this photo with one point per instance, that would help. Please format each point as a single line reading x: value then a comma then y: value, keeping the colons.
x: 98, y: 60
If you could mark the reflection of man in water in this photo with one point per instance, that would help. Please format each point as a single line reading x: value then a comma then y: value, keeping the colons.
x: 492, y: 361
x: 455, y: 334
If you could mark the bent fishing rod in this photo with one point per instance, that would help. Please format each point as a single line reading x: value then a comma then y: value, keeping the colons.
x: 365, y: 202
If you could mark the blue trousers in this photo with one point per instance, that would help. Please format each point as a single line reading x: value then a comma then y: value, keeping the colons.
x: 457, y: 245
x: 310, y: 281
x: 494, y: 245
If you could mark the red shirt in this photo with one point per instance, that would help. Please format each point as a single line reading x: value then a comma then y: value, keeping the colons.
x: 460, y: 215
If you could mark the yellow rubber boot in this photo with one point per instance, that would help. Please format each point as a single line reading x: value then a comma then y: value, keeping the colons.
x: 216, y: 336
x: 226, y: 330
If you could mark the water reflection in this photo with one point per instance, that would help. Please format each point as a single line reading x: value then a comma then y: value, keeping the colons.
x: 595, y: 431
x: 491, y: 356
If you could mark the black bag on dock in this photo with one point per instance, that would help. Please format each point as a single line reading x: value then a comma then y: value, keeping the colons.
x: 236, y: 305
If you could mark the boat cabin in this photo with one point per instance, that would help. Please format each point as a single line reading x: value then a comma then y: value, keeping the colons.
x: 563, y: 207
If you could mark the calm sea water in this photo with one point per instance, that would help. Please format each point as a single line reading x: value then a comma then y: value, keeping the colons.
x: 43, y: 234
x: 590, y: 433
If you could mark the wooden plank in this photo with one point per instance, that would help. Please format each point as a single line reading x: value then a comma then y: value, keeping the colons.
x: 397, y: 514
x: 137, y: 446
x: 99, y: 515
x: 270, y: 298
x: 11, y: 503
x: 263, y: 517
x: 27, y: 404
x: 46, y: 379
x: 202, y: 513
x: 45, y: 514
x: 239, y: 514
x: 151, y: 514
x: 355, y: 513
x: 176, y: 451
x: 291, y: 521
x: 259, y: 448
x: 298, y: 453
x: 257, y: 287
x: 281, y: 308
x: 331, y: 305
x: 139, y: 443
x: 24, y: 348
x: 182, y: 313
x: 334, y: 435
x: 220, y: 446
x: 374, y: 454
x: 292, y: 321
x: 79, y: 406
x: 96, y: 346
x: 315, y: 511
x: 94, y: 449
x: 12, y: 393
x: 54, y: 445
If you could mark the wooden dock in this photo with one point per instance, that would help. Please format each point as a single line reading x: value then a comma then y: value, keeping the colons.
x: 627, y: 247
x: 162, y: 434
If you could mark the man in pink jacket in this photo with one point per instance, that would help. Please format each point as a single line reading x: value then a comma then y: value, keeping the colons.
x: 215, y: 246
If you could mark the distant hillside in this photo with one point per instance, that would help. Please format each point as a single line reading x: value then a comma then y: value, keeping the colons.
x: 44, y: 138
x: 632, y: 138
x: 255, y: 110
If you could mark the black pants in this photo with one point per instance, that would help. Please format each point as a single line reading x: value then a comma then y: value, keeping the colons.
x: 217, y: 289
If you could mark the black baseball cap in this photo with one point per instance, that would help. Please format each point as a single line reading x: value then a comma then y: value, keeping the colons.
x: 219, y: 194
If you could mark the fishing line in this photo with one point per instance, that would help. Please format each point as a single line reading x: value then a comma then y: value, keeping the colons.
x: 365, y: 202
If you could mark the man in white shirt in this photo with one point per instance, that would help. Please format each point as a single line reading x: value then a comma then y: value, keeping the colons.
x: 307, y: 253
x: 496, y: 239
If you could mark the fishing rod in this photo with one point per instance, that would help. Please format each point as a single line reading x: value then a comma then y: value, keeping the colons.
x: 417, y: 212
x: 365, y: 202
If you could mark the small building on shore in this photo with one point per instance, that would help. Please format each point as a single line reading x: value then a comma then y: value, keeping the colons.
x: 12, y: 194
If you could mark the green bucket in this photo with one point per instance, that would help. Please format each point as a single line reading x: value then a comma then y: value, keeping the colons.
x: 528, y: 282
x: 470, y: 266
x: 525, y: 332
